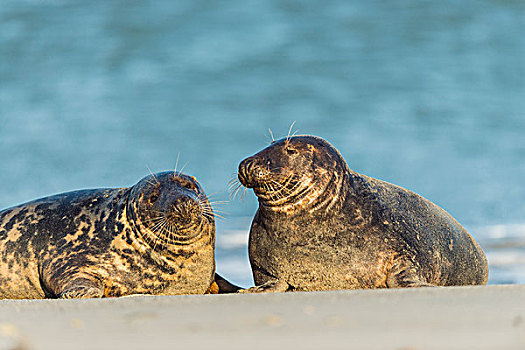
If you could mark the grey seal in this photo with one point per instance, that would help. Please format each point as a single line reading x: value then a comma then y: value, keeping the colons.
x: 322, y: 226
x: 156, y: 237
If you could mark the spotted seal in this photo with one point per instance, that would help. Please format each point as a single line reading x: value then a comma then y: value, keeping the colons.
x: 156, y: 237
x: 322, y: 226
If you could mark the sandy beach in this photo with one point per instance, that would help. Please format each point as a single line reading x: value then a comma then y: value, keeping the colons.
x: 489, y: 317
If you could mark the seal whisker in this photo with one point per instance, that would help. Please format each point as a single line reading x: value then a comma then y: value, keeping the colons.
x: 284, y: 194
x: 169, y: 233
x: 219, y: 211
x: 271, y: 134
x: 153, y: 175
x: 153, y: 220
x: 162, y: 230
x: 214, y: 206
x: 265, y: 190
x: 235, y: 191
x: 154, y: 227
x: 233, y: 183
x: 209, y: 197
x: 270, y: 191
x: 209, y: 207
x: 219, y: 202
x: 166, y: 233
x: 181, y: 169
x: 157, y: 226
x: 239, y: 193
x: 156, y: 217
x: 239, y: 186
x: 157, y: 211
x: 289, y: 132
x: 215, y: 215
x: 289, y: 190
x: 176, y: 165
x: 151, y: 183
x: 281, y: 188
x: 208, y: 211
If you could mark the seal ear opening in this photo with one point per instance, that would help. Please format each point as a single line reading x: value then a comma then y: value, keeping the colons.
x: 153, y: 198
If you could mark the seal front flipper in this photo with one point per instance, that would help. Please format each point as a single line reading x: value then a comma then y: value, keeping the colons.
x: 80, y: 292
x: 401, y: 276
x: 272, y: 286
x: 81, y: 287
x: 222, y: 286
x: 225, y: 286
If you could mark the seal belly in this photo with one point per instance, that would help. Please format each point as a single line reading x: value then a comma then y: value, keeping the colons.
x: 311, y: 255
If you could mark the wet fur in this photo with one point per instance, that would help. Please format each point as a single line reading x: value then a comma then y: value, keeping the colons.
x: 86, y: 244
x: 346, y: 230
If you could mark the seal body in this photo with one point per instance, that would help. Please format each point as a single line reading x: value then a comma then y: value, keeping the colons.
x: 322, y: 226
x: 156, y: 237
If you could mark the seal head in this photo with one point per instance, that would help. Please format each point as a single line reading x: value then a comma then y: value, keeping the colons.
x: 295, y: 174
x: 170, y: 209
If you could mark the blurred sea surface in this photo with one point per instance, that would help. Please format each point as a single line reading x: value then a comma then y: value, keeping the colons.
x: 429, y: 95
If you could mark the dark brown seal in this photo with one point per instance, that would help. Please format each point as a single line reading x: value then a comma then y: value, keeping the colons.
x: 156, y: 237
x: 322, y: 226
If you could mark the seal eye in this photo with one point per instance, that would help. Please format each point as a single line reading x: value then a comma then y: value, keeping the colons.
x: 189, y: 186
x: 291, y: 151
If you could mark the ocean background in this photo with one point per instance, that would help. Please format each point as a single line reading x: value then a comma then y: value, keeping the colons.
x: 429, y: 95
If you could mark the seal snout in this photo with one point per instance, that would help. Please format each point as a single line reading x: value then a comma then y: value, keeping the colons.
x: 247, y: 172
x: 185, y: 210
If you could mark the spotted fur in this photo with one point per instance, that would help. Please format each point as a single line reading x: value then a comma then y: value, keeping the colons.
x: 98, y: 243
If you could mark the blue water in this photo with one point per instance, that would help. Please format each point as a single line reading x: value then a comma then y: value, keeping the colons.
x: 429, y: 95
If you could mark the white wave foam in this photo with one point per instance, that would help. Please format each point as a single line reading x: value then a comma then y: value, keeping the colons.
x: 232, y: 239
x: 506, y: 258
x: 500, y: 231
